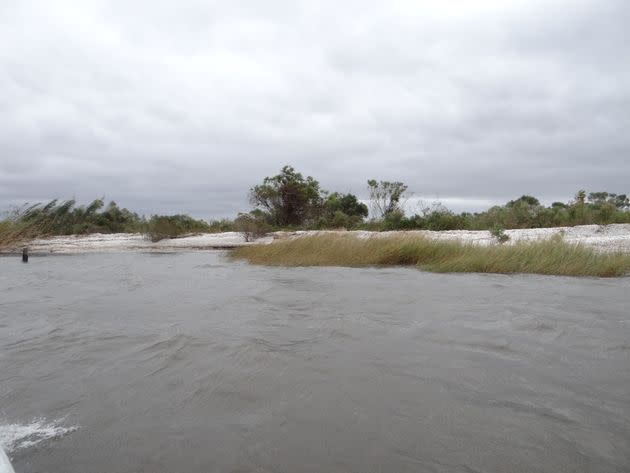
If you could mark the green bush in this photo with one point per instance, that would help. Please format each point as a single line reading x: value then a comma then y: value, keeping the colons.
x: 223, y: 225
x: 498, y: 232
x: 348, y: 204
x: 160, y: 227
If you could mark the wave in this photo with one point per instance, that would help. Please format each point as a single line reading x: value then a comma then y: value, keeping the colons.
x: 17, y: 436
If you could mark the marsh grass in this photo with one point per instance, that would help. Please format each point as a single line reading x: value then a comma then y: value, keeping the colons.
x: 66, y: 218
x: 14, y: 234
x: 551, y: 257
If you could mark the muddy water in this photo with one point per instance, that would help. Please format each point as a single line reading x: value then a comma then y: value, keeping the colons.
x: 190, y: 363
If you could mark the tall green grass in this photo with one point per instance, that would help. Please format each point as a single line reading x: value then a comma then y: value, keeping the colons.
x: 552, y: 257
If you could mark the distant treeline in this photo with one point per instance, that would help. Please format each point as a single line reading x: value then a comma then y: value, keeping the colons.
x: 600, y: 208
x: 290, y: 201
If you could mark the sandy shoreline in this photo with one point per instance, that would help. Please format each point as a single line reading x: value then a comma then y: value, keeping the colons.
x: 609, y: 238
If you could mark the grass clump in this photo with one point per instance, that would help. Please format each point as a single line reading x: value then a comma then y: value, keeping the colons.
x: 551, y: 257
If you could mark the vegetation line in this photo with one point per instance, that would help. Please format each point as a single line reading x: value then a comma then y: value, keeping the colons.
x: 290, y: 201
x: 66, y: 218
x: 550, y: 257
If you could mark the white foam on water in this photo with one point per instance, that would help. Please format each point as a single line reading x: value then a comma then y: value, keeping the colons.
x: 16, y: 436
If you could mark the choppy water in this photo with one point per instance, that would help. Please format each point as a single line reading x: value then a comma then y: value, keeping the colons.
x: 190, y: 363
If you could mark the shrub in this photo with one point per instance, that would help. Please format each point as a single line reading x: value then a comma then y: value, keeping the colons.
x: 498, y: 232
x: 348, y: 204
x: 251, y: 226
x: 394, y: 220
x: 160, y: 227
x: 223, y: 225
x: 340, y: 220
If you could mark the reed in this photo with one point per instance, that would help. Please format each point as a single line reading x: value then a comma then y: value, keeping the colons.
x: 14, y: 234
x: 551, y: 257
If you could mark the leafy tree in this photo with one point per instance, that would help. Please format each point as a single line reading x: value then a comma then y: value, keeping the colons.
x: 385, y: 197
x: 523, y: 212
x: 289, y: 198
x: 598, y: 198
x: 621, y: 201
x: 524, y: 200
x: 346, y: 203
x: 618, y: 201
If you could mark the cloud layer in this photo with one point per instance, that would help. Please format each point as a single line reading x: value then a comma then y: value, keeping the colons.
x: 171, y: 107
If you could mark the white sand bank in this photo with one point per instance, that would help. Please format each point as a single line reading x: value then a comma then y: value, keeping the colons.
x: 609, y: 238
x: 115, y: 242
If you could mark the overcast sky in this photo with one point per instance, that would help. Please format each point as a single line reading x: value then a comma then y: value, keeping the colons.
x: 182, y: 106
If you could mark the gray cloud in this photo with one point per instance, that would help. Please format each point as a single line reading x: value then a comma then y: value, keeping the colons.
x: 182, y: 107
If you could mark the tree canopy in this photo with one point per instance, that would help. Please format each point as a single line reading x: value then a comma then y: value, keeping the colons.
x: 385, y: 197
x: 346, y: 203
x: 289, y: 198
x: 527, y: 200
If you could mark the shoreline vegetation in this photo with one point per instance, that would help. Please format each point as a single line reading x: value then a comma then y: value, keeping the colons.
x: 553, y: 256
x: 290, y: 202
x: 64, y: 218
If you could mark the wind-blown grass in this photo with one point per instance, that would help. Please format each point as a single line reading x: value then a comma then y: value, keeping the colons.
x: 552, y: 257
x: 66, y: 218
x: 13, y: 234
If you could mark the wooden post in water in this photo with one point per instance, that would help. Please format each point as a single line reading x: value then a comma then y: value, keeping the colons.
x: 25, y: 255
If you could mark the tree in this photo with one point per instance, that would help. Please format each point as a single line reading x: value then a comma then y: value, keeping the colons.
x: 598, y: 198
x: 619, y: 201
x: 346, y: 203
x: 524, y: 200
x: 385, y: 197
x: 523, y: 212
x: 288, y: 197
